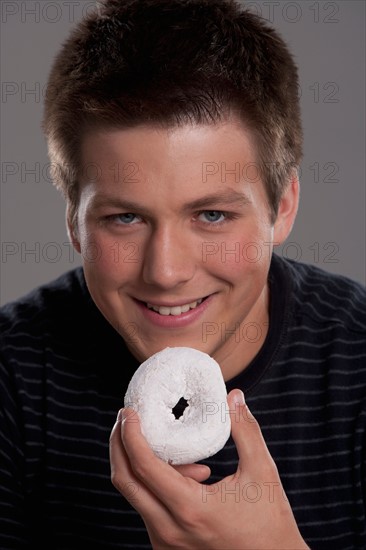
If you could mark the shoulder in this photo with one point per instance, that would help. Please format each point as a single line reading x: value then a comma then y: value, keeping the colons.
x: 324, y: 344
x: 32, y: 313
x: 325, y: 297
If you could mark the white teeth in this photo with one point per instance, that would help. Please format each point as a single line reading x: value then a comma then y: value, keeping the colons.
x: 164, y: 310
x: 175, y: 310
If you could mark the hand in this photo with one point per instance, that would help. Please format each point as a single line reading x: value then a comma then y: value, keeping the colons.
x: 247, y: 510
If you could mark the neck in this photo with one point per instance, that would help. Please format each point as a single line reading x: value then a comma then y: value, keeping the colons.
x: 245, y: 340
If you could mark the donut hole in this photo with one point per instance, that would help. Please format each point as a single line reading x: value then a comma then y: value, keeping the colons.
x: 179, y: 408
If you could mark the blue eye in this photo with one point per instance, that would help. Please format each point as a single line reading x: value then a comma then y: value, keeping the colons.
x: 213, y: 216
x: 126, y: 219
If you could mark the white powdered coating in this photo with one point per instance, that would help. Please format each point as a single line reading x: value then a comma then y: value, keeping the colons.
x: 157, y: 386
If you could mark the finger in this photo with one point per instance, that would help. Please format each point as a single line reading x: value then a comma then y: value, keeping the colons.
x: 122, y: 476
x: 247, y: 435
x: 125, y: 481
x: 198, y: 472
x: 164, y: 481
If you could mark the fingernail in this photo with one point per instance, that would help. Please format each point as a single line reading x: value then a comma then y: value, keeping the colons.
x: 125, y: 414
x: 128, y: 413
x: 120, y: 415
x: 239, y: 398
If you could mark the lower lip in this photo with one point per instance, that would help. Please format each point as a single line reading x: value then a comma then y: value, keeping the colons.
x: 174, y: 321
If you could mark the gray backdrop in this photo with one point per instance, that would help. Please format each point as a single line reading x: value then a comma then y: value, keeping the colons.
x: 328, y: 40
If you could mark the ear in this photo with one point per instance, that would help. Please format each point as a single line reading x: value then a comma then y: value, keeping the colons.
x: 287, y: 210
x: 72, y: 231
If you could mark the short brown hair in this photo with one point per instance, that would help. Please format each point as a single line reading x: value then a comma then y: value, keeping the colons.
x: 171, y: 62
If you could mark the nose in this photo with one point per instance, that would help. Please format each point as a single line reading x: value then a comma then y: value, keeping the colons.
x: 169, y: 259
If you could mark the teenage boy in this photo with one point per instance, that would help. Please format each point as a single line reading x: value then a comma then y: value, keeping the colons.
x: 174, y: 130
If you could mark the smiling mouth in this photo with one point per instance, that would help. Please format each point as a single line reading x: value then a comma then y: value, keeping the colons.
x: 175, y: 310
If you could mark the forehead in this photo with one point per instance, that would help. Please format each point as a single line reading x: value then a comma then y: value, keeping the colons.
x: 189, y: 158
x: 179, y: 143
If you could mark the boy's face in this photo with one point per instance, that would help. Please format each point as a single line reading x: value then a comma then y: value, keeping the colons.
x: 175, y: 234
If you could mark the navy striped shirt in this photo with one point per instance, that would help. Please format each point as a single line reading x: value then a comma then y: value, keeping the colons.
x: 64, y: 372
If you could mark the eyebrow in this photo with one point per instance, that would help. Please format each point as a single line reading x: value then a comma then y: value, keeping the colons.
x: 228, y: 197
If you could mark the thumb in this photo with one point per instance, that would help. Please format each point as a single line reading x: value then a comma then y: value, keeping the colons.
x: 198, y: 472
x: 246, y: 432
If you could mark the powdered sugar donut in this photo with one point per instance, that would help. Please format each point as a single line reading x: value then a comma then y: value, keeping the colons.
x: 180, y: 396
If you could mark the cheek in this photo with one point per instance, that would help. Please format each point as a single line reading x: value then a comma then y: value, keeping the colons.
x: 108, y: 259
x: 236, y: 255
